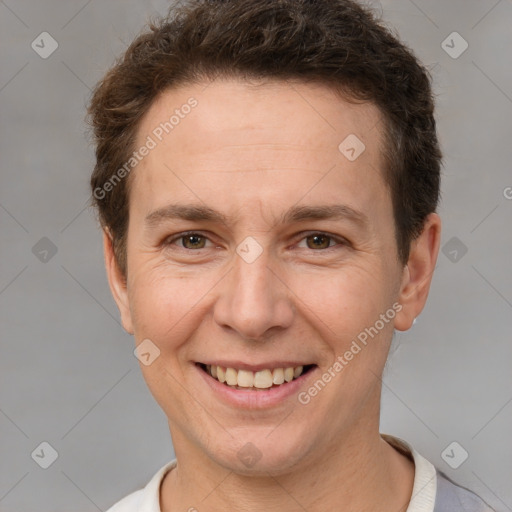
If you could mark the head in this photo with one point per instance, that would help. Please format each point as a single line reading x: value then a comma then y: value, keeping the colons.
x: 267, y: 176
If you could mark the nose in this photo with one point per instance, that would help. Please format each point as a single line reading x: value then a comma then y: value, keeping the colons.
x: 254, y: 300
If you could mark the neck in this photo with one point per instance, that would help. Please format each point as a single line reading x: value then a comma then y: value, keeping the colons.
x: 361, y: 472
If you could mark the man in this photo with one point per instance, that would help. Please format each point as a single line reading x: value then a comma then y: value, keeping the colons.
x: 267, y: 179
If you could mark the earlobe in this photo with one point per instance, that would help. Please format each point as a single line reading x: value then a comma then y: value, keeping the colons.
x: 417, y: 274
x: 116, y: 281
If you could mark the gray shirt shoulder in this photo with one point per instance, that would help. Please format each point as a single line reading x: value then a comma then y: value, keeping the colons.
x: 452, y: 497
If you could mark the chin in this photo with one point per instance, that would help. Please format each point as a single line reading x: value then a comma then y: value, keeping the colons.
x: 263, y: 454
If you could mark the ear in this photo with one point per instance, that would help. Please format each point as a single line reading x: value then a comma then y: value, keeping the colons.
x: 116, y: 281
x: 417, y: 274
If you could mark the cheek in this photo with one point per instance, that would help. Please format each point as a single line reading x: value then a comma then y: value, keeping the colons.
x: 344, y: 308
x: 342, y: 298
x: 165, y: 310
x: 164, y: 304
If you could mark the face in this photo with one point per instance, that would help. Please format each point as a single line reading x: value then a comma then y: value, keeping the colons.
x: 255, y: 243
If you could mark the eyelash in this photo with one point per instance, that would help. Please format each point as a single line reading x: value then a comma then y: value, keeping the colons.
x: 340, y: 241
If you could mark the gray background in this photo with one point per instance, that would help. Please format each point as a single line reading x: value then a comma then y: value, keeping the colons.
x: 68, y: 374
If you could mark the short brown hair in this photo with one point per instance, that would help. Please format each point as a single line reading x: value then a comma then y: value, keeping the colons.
x: 338, y: 43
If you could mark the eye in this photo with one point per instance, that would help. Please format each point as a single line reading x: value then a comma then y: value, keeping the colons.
x: 317, y: 241
x: 189, y: 240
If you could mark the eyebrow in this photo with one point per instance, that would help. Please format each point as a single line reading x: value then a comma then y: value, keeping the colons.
x: 196, y: 213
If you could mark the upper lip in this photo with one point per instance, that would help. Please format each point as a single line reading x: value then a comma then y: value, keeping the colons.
x: 240, y: 365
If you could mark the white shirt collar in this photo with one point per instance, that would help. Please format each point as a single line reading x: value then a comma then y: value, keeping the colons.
x: 423, y: 497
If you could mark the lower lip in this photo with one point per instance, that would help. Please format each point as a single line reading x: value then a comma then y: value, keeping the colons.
x: 255, y: 399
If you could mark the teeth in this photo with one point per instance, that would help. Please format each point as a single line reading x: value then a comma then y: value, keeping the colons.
x: 262, y: 379
x: 278, y: 376
x: 231, y: 376
x: 245, y: 379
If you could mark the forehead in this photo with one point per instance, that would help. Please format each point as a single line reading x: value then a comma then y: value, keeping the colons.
x: 257, y: 140
x: 308, y: 115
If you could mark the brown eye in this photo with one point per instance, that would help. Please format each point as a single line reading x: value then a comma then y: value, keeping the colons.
x: 318, y: 241
x: 193, y: 241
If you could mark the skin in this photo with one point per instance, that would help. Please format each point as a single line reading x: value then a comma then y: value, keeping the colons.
x: 252, y: 151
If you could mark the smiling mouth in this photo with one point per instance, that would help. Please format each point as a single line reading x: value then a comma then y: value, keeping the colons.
x: 255, y: 381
